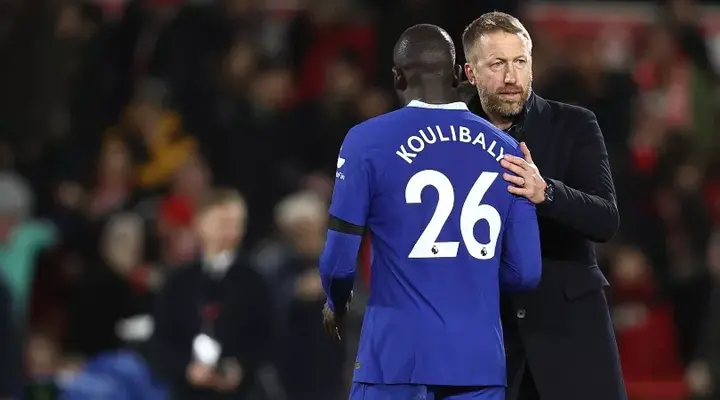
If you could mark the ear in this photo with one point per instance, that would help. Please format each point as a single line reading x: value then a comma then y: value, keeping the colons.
x: 399, y: 80
x: 457, y: 75
x: 469, y: 73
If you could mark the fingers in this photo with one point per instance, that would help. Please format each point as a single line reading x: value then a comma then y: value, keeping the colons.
x: 516, y: 180
x: 511, y: 159
x: 514, y: 168
x: 526, y: 152
x: 519, y: 191
x: 330, y: 323
x: 332, y: 329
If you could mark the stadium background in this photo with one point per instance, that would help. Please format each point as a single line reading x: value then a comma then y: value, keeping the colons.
x: 114, y: 116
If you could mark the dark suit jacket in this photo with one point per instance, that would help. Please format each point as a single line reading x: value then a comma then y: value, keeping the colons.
x: 562, y: 330
x: 240, y: 322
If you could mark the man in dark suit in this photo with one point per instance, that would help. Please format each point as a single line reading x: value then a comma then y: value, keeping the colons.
x: 213, y: 319
x: 559, y: 339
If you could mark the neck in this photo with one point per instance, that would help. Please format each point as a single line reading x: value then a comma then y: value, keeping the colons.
x: 431, y: 96
x: 499, y: 121
x: 211, y: 252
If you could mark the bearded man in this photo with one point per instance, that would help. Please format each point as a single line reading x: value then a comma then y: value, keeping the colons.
x: 559, y: 338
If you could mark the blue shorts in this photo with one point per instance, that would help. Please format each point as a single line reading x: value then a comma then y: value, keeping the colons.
x: 372, y: 391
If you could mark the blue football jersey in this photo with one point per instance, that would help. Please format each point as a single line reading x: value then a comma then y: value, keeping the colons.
x: 426, y: 181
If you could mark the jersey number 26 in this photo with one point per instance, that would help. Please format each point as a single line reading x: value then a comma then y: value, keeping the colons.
x: 472, y: 211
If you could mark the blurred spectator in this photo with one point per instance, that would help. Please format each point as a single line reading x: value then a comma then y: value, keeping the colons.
x: 43, y: 361
x: 213, y: 321
x: 176, y: 212
x: 310, y: 364
x: 114, y: 184
x: 155, y: 133
x: 116, y: 285
x: 23, y: 239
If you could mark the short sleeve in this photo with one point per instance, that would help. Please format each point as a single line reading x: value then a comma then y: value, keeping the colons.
x: 351, y: 195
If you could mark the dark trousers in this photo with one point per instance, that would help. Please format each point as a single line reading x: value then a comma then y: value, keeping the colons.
x: 527, y: 389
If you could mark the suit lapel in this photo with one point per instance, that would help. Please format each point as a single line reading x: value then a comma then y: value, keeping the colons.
x: 536, y: 129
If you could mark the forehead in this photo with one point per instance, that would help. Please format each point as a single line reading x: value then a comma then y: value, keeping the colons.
x: 501, y: 44
x: 226, y: 210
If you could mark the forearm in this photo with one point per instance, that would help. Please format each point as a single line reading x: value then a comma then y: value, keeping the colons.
x: 592, y: 215
x: 338, y: 267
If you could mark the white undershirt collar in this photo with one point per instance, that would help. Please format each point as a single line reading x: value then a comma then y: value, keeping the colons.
x: 218, y: 265
x: 451, y: 106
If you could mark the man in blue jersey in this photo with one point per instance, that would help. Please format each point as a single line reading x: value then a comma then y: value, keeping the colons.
x: 426, y: 182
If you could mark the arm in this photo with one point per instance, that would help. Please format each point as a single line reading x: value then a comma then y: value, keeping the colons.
x: 590, y: 207
x: 521, y: 264
x: 348, y: 214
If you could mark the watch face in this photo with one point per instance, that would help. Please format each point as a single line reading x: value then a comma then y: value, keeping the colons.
x: 550, y: 193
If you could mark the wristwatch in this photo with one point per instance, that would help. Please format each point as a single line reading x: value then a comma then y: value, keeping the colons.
x: 549, y: 192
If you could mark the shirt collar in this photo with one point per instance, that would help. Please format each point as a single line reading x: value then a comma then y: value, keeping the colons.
x: 218, y: 265
x: 451, y: 106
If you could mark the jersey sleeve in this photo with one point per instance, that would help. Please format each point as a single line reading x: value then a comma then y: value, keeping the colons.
x: 521, y: 264
x: 352, y: 192
x: 350, y: 203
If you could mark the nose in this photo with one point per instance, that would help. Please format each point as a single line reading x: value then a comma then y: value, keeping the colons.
x: 510, y: 75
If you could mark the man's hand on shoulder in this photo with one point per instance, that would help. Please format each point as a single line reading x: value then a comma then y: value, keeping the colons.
x: 527, y: 181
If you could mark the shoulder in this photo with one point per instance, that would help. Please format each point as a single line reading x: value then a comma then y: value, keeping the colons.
x: 564, y: 112
x: 373, y: 133
x: 509, y: 142
x: 501, y: 137
x: 566, y: 120
x: 371, y: 127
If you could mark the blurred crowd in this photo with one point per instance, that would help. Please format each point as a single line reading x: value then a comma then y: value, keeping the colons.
x: 116, y: 118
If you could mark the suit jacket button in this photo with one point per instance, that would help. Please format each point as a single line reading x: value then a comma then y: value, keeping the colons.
x: 520, y: 313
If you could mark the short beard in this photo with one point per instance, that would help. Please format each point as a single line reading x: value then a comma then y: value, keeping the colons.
x: 493, y: 104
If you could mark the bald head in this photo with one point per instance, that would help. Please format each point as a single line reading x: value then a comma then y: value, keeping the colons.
x: 424, y: 51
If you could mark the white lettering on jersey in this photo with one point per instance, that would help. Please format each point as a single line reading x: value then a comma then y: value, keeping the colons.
x: 417, y: 143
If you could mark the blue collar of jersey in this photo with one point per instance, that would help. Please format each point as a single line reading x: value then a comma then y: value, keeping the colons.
x: 451, y: 106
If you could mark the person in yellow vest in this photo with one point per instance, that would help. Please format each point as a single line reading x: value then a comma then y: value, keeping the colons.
x: 158, y: 132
